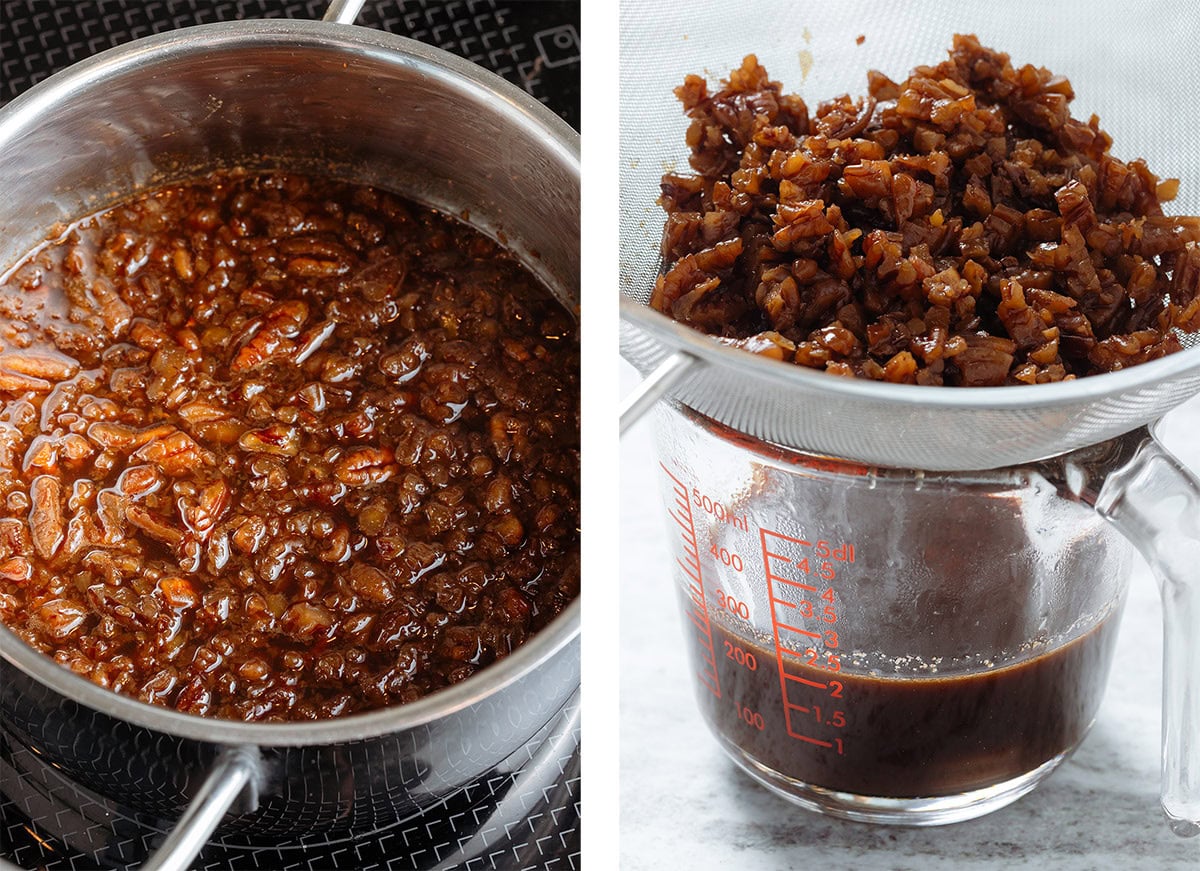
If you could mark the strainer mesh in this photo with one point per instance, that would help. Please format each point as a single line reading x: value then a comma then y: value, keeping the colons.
x: 1137, y: 71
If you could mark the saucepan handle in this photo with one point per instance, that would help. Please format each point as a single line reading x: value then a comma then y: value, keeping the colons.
x: 343, y: 11
x: 1154, y: 500
x: 237, y: 775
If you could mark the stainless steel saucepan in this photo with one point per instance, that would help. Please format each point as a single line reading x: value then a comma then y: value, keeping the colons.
x: 367, y: 107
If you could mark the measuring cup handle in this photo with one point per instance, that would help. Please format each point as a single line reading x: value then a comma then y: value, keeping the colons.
x: 1154, y: 500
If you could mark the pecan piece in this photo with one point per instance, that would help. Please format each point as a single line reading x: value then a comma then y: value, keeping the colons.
x: 276, y: 439
x: 58, y: 618
x: 46, y: 516
x: 271, y: 335
x: 176, y: 454
x: 362, y: 466
x: 153, y: 526
x: 44, y: 364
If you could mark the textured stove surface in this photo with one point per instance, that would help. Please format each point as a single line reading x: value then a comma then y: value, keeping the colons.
x: 532, y: 43
x: 523, y: 815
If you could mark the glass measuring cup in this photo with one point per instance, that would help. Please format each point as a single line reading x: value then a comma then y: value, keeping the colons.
x: 888, y: 645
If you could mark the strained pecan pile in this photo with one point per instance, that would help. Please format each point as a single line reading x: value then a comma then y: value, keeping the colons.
x: 957, y: 228
x: 276, y: 447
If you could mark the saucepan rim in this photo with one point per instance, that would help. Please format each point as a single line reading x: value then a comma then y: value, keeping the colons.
x: 24, y: 113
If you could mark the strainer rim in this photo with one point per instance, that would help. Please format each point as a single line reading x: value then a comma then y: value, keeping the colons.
x: 675, y: 336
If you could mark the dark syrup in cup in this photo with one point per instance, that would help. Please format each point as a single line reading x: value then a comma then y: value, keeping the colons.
x: 907, y: 737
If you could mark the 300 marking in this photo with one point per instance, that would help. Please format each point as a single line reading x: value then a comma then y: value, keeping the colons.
x: 732, y: 605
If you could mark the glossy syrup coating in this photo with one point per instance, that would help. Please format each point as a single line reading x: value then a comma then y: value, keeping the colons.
x: 957, y: 228
x: 280, y: 447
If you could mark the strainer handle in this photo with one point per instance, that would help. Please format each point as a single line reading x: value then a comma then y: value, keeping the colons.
x: 663, y: 378
x: 1154, y: 500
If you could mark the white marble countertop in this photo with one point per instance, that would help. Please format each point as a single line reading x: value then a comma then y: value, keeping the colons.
x: 685, y: 805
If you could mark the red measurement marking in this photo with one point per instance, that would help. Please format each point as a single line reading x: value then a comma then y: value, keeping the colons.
x: 779, y: 536
x: 806, y: 681
x: 797, y: 629
x: 783, y: 555
x: 792, y: 583
x: 689, y: 563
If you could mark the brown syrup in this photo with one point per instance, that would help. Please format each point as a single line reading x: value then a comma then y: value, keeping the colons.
x: 906, y: 737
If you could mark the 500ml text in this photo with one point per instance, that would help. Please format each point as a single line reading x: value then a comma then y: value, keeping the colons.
x: 718, y: 510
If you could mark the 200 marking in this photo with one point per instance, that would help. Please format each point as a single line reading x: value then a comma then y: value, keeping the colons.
x: 741, y: 657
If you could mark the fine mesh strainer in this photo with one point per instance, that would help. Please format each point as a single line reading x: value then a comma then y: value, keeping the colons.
x: 1142, y: 85
x: 1139, y: 74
